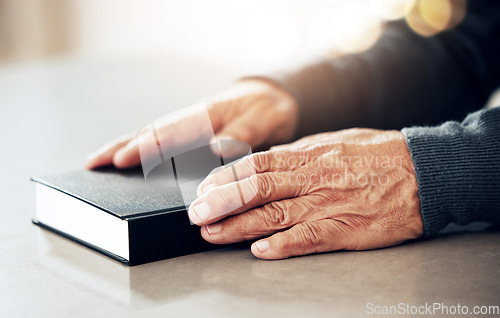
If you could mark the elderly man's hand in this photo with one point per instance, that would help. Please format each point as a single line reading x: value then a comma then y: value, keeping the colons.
x: 354, y: 190
x: 256, y: 112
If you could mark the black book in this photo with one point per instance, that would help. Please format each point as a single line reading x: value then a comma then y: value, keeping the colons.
x: 119, y: 213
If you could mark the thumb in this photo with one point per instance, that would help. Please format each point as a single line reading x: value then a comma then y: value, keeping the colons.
x: 242, y: 134
x: 304, y: 238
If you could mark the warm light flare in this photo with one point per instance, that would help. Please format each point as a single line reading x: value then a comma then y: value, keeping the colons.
x: 354, y: 28
x: 318, y: 39
x: 429, y: 17
x: 391, y: 9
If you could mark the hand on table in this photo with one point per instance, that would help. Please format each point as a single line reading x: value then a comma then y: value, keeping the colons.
x: 354, y: 190
x: 254, y: 111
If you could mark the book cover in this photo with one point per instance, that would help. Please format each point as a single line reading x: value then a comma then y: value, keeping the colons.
x: 119, y: 213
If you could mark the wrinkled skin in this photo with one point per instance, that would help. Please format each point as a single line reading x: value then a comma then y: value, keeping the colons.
x: 349, y: 190
x: 354, y: 189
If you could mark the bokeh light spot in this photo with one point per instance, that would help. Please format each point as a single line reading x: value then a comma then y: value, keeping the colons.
x: 355, y: 28
x: 319, y: 40
x: 429, y: 17
x: 391, y: 9
x: 436, y: 13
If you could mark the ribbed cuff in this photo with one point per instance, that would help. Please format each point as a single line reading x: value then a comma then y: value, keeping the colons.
x: 458, y: 170
x: 429, y: 154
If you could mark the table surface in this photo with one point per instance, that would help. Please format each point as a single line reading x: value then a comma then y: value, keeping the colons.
x: 53, y: 113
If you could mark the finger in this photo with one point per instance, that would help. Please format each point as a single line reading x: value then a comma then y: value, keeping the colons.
x: 251, y: 128
x: 246, y: 194
x: 187, y: 128
x: 127, y: 156
x: 261, y: 162
x: 104, y: 155
x: 146, y: 144
x: 262, y: 221
x: 174, y: 134
x: 304, y: 238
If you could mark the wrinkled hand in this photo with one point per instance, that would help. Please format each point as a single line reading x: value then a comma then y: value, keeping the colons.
x: 349, y: 190
x: 253, y: 111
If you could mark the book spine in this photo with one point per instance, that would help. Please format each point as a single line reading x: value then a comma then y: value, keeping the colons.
x: 162, y: 236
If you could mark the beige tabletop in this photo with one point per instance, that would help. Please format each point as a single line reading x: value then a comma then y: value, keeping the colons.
x: 53, y: 113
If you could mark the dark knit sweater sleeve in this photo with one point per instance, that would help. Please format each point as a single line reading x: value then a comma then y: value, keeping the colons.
x: 404, y: 79
x: 458, y: 170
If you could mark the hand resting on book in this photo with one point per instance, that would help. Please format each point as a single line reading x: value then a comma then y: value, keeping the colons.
x: 354, y: 189
x: 254, y: 111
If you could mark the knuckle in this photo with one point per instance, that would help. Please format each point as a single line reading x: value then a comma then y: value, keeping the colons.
x: 304, y: 181
x: 320, y: 177
x: 350, y: 229
x: 246, y: 228
x: 309, y: 236
x: 275, y: 215
x: 297, y: 158
x: 278, y: 159
x: 253, y: 187
x: 245, y: 167
x: 264, y: 185
x: 224, y: 175
x: 260, y: 161
x: 221, y: 198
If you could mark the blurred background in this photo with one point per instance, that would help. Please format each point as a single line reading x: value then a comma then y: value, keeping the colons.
x: 249, y: 35
x: 158, y: 55
x: 123, y: 63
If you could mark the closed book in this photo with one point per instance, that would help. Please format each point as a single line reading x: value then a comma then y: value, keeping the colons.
x: 119, y: 213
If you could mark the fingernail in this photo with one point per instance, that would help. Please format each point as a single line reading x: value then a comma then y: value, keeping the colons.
x: 213, y: 228
x: 262, y: 246
x: 208, y: 187
x: 202, y: 210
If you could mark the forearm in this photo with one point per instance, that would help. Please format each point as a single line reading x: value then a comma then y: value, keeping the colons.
x: 403, y: 80
x: 458, y: 170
